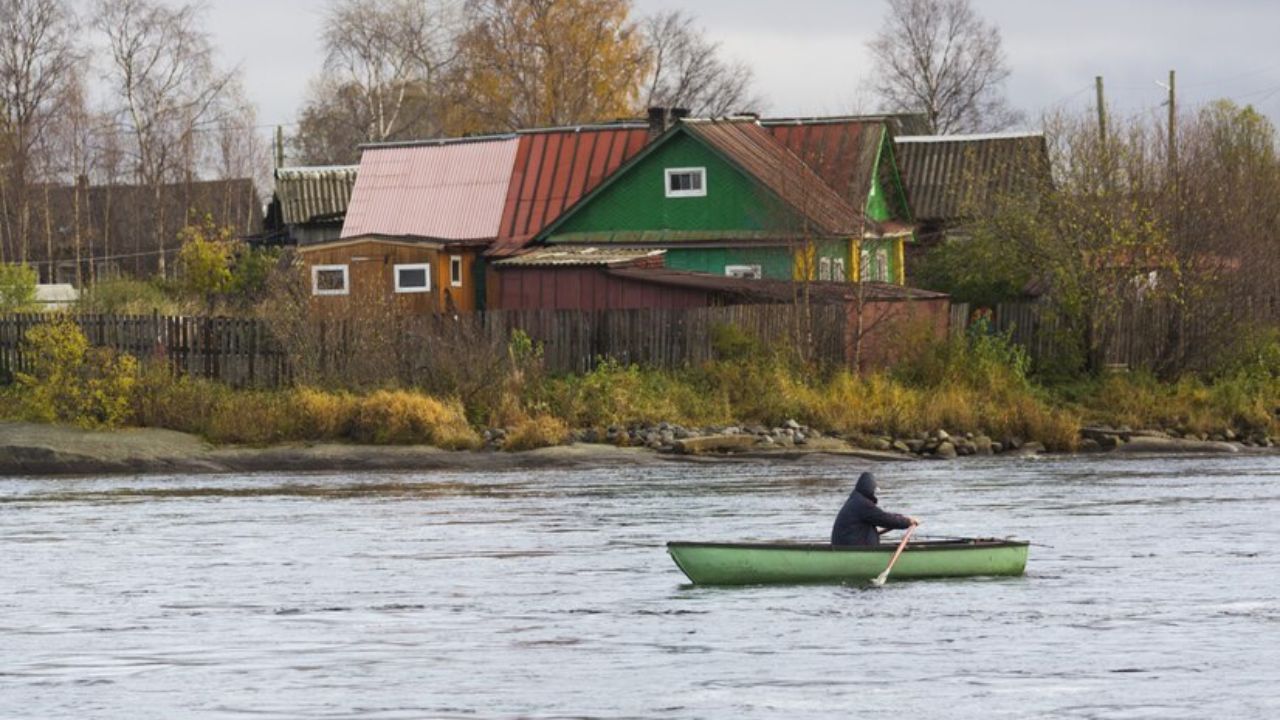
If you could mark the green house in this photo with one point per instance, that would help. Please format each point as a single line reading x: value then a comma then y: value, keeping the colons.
x: 740, y: 197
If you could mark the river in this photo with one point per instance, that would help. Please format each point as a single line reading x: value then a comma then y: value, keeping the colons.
x: 1153, y: 591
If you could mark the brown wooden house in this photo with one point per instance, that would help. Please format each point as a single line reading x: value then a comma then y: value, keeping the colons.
x: 413, y: 275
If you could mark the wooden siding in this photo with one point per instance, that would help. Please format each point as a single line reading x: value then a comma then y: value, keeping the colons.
x: 584, y: 288
x: 371, y: 277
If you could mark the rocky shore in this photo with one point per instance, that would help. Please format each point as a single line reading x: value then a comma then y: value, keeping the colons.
x: 49, y: 450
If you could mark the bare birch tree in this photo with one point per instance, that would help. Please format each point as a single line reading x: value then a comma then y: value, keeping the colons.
x: 38, y: 55
x: 170, y: 91
x: 686, y: 70
x: 939, y: 58
x: 384, y: 76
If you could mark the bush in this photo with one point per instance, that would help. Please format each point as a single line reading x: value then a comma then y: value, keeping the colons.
x: 392, y: 417
x: 17, y: 288
x: 537, y: 432
x: 72, y: 382
x: 131, y: 297
x: 176, y: 403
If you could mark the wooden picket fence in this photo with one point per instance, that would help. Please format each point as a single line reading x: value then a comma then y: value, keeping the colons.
x: 238, y: 351
x: 247, y: 352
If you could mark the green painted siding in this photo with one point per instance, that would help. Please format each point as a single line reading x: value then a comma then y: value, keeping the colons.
x: 637, y: 200
x: 774, y: 262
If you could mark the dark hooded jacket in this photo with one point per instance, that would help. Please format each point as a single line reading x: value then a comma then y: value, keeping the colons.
x: 857, y: 521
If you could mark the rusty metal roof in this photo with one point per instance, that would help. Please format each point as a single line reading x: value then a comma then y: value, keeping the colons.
x: 948, y: 177
x: 754, y: 149
x: 579, y: 256
x: 453, y: 190
x: 842, y: 151
x: 314, y: 194
x: 774, y: 290
x: 554, y: 168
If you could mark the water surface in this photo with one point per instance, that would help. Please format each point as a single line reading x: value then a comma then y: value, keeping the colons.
x: 1153, y: 592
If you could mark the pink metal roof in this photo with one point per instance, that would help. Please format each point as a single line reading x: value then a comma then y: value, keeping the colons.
x: 453, y: 190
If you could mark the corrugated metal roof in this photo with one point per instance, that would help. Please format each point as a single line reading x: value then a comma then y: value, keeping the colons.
x: 314, y: 194
x: 578, y: 256
x: 555, y: 168
x: 755, y: 151
x: 947, y: 177
x: 451, y: 191
x: 774, y: 290
x: 841, y: 151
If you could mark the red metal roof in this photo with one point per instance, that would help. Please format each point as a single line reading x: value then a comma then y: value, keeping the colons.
x: 842, y: 151
x: 553, y: 169
x: 755, y: 150
x: 453, y: 190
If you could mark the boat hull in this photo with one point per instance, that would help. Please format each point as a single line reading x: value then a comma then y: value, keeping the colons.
x: 768, y: 563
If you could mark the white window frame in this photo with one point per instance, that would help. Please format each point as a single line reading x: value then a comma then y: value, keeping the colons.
x: 882, y: 265
x: 315, y: 279
x: 424, y: 267
x: 824, y: 268
x: 750, y: 272
x: 837, y: 270
x: 455, y: 261
x: 699, y: 192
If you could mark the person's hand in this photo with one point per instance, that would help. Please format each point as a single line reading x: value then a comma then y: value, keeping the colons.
x: 914, y: 520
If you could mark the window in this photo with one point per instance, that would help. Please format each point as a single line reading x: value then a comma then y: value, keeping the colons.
x: 330, y: 280
x: 824, y: 268
x: 743, y: 271
x: 455, y: 270
x: 414, y: 278
x: 837, y: 270
x: 875, y: 265
x: 686, y: 182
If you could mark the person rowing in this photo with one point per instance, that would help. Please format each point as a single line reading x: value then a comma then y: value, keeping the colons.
x: 861, y: 521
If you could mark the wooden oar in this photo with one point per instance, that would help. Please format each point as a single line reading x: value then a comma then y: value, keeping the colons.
x: 880, y: 580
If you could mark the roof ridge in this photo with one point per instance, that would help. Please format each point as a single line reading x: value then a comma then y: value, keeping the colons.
x: 1012, y: 135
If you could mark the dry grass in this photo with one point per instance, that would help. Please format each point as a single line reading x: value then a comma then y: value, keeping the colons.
x: 396, y: 417
x: 536, y: 432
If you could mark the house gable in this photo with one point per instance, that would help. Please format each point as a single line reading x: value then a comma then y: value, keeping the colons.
x: 636, y: 199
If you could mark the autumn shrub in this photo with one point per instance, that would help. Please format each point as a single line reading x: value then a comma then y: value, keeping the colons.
x: 17, y: 288
x: 132, y: 297
x: 536, y: 432
x: 72, y: 382
x: 250, y: 417
x: 617, y: 394
x: 322, y: 415
x: 185, y: 404
x: 390, y: 417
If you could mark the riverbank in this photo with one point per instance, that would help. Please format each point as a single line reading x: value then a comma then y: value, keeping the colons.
x: 29, y: 449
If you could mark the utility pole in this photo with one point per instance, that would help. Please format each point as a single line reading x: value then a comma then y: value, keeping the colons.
x: 1102, y: 112
x: 1173, y: 132
x: 279, y: 147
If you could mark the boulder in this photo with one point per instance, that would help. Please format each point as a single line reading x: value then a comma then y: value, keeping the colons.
x: 715, y: 444
x: 901, y: 447
x: 982, y: 445
x: 1171, y: 445
x: 945, y: 451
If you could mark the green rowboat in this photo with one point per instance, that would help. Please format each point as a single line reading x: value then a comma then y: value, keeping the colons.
x: 761, y: 563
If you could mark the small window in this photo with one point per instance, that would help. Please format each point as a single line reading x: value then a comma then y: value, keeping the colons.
x: 414, y: 278
x: 743, y: 271
x: 686, y: 182
x: 882, y: 265
x: 824, y: 268
x: 837, y: 270
x: 455, y: 270
x: 330, y: 280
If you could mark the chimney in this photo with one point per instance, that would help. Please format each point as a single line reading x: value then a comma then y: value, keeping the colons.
x: 662, y: 119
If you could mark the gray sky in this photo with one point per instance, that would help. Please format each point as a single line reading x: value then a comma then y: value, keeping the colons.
x: 810, y: 56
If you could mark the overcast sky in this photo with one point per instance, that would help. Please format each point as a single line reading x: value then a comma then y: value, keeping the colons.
x: 810, y: 56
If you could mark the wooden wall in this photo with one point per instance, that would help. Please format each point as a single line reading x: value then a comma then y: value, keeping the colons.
x: 583, y: 288
x: 371, y: 274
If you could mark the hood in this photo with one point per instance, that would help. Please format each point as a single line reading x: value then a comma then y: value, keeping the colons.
x: 866, y: 486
